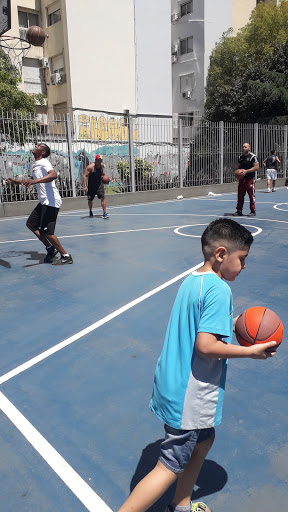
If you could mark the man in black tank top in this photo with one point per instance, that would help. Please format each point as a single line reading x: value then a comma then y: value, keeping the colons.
x: 94, y: 173
x: 271, y: 163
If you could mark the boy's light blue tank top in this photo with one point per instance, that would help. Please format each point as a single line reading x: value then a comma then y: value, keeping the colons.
x: 188, y: 389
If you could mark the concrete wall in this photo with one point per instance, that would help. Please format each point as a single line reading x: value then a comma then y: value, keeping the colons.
x: 102, y: 57
x: 241, y: 13
x: 218, y: 19
x: 153, y: 57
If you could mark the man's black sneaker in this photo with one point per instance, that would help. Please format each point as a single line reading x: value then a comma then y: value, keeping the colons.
x: 64, y: 260
x: 91, y: 213
x: 51, y: 253
x: 251, y: 214
x: 237, y: 214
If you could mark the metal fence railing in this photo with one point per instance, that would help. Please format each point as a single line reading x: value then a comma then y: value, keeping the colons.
x: 139, y: 152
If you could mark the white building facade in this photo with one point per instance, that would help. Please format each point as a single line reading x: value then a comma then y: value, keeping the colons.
x: 116, y: 56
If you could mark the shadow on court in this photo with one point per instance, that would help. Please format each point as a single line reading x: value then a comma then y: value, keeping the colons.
x: 212, y: 477
x: 33, y: 256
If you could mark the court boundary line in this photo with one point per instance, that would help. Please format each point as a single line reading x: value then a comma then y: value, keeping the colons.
x: 75, y: 337
x: 58, y: 464
x: 65, y: 472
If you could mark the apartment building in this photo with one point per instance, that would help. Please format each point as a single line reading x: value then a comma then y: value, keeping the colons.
x: 143, y: 56
x: 110, y: 56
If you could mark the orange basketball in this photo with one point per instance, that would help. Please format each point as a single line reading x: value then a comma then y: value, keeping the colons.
x: 258, y: 325
x: 35, y: 35
x: 105, y: 179
x: 238, y: 174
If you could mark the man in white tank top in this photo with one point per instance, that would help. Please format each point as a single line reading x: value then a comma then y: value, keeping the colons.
x: 42, y: 220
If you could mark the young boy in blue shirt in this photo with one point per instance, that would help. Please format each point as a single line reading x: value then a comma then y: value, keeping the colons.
x: 190, y: 375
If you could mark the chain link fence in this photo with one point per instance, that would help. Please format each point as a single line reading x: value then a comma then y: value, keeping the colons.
x: 140, y: 152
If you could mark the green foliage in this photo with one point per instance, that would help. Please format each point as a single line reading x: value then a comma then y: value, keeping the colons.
x: 142, y: 170
x: 248, y: 75
x: 16, y: 103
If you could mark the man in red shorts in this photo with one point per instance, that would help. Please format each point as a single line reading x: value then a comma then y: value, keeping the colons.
x: 248, y: 164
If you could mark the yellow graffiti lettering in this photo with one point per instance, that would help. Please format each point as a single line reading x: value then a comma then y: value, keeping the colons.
x: 102, y: 128
x: 123, y: 129
x: 135, y: 131
x: 113, y: 129
x: 84, y: 129
x: 94, y: 128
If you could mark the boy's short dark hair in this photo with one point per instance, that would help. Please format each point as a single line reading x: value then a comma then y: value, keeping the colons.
x: 273, y: 151
x: 46, y: 148
x: 226, y: 232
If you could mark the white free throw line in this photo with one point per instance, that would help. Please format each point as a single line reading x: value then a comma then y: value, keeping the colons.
x: 74, y: 482
x: 80, y: 334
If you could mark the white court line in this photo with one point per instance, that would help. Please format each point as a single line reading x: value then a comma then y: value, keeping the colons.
x: 80, y: 334
x: 68, y: 475
x: 73, y: 481
x: 92, y: 234
x: 142, y: 229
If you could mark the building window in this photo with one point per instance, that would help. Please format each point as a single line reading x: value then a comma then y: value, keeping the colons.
x: 57, y: 64
x: 26, y: 20
x: 57, y: 70
x: 186, y: 45
x: 186, y: 8
x: 32, y: 76
x: 190, y: 118
x: 53, y: 17
x: 187, y: 83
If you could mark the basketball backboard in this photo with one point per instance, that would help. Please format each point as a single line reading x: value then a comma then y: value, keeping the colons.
x: 5, y: 16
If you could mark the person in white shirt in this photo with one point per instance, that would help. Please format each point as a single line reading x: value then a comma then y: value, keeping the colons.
x: 42, y: 220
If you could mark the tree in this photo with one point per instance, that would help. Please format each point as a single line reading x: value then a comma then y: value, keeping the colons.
x: 247, y: 79
x: 142, y: 170
x: 15, y: 102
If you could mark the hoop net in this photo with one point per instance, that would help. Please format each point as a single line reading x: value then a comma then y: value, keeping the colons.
x: 16, y: 48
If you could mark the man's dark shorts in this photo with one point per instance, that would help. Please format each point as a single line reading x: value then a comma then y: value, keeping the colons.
x: 99, y: 192
x: 43, y: 218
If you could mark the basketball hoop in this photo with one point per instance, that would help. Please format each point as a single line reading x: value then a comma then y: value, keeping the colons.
x: 16, y: 48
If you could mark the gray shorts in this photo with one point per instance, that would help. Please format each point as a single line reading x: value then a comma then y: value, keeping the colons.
x: 178, y: 445
x: 99, y: 192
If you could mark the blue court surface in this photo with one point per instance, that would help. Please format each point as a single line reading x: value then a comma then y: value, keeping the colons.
x: 79, y: 347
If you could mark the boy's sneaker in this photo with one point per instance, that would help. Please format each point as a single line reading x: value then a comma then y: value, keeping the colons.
x: 237, y: 214
x: 200, y: 507
x: 269, y: 190
x: 51, y: 253
x: 251, y: 214
x: 274, y: 189
x: 105, y: 216
x: 91, y: 213
x: 64, y: 260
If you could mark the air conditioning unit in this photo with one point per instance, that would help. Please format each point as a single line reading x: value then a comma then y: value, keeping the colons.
x: 187, y: 94
x: 174, y: 49
x: 44, y: 62
x: 174, y: 59
x: 175, y: 17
